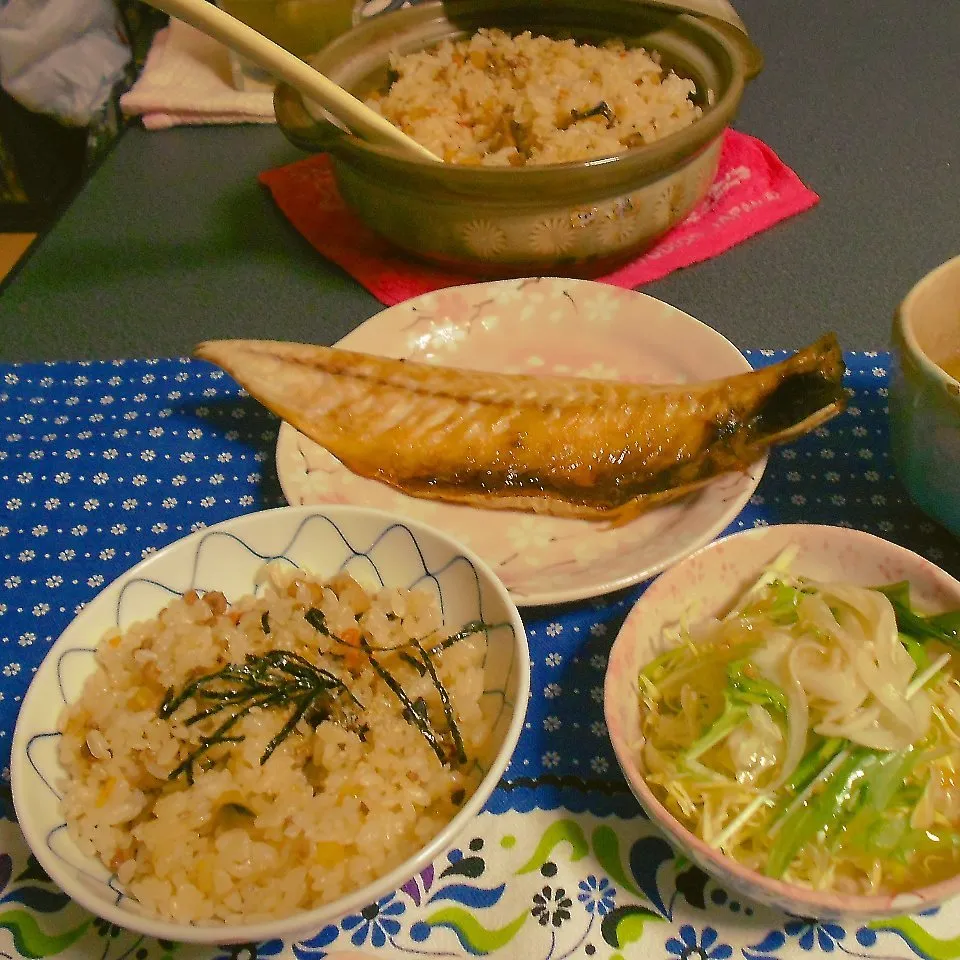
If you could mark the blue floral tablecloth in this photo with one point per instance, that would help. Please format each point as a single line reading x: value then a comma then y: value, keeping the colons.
x: 102, y: 463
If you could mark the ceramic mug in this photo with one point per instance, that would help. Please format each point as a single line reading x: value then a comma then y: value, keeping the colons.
x: 925, y: 398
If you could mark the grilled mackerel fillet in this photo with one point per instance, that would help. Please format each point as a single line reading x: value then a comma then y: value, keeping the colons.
x: 565, y: 446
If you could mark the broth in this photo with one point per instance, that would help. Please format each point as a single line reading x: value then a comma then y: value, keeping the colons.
x: 951, y: 366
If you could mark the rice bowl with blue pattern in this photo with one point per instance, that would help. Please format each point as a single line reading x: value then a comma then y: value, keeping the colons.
x: 287, y: 716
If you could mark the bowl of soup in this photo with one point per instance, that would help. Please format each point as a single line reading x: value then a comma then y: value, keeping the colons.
x: 783, y: 704
x: 925, y: 393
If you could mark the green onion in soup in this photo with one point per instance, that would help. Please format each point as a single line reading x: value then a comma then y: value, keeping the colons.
x: 812, y: 734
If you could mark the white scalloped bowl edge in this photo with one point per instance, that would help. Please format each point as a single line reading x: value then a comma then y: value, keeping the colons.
x: 227, y: 557
x: 703, y: 585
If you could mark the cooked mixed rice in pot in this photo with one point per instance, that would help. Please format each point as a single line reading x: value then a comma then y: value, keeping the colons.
x: 342, y: 762
x: 511, y: 100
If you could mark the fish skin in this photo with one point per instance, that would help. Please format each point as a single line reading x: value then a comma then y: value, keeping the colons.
x: 564, y: 446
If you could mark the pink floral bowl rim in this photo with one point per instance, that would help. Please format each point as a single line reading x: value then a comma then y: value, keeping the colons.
x: 552, y: 326
x: 702, y: 585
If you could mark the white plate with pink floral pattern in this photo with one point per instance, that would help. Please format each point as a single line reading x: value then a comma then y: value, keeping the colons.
x: 547, y: 326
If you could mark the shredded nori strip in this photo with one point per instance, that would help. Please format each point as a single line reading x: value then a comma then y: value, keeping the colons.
x: 447, y: 706
x: 284, y: 680
x: 318, y: 621
x: 468, y: 630
x: 276, y: 679
x: 414, y: 662
x: 419, y: 708
x: 410, y: 711
x: 602, y: 109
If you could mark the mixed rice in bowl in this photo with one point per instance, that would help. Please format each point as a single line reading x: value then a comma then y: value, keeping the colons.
x: 252, y: 828
x: 498, y: 99
x: 574, y: 134
x: 231, y: 766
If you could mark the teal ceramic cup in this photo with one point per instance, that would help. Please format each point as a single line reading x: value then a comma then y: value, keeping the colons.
x: 925, y: 398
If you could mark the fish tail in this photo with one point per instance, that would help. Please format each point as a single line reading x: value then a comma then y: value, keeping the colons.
x: 808, y: 392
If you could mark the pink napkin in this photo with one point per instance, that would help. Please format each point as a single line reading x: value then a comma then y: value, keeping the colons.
x: 187, y: 79
x: 753, y: 190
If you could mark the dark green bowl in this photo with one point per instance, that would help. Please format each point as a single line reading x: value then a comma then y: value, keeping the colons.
x: 579, y: 218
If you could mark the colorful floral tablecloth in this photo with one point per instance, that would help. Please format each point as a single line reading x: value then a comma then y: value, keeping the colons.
x: 102, y: 463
